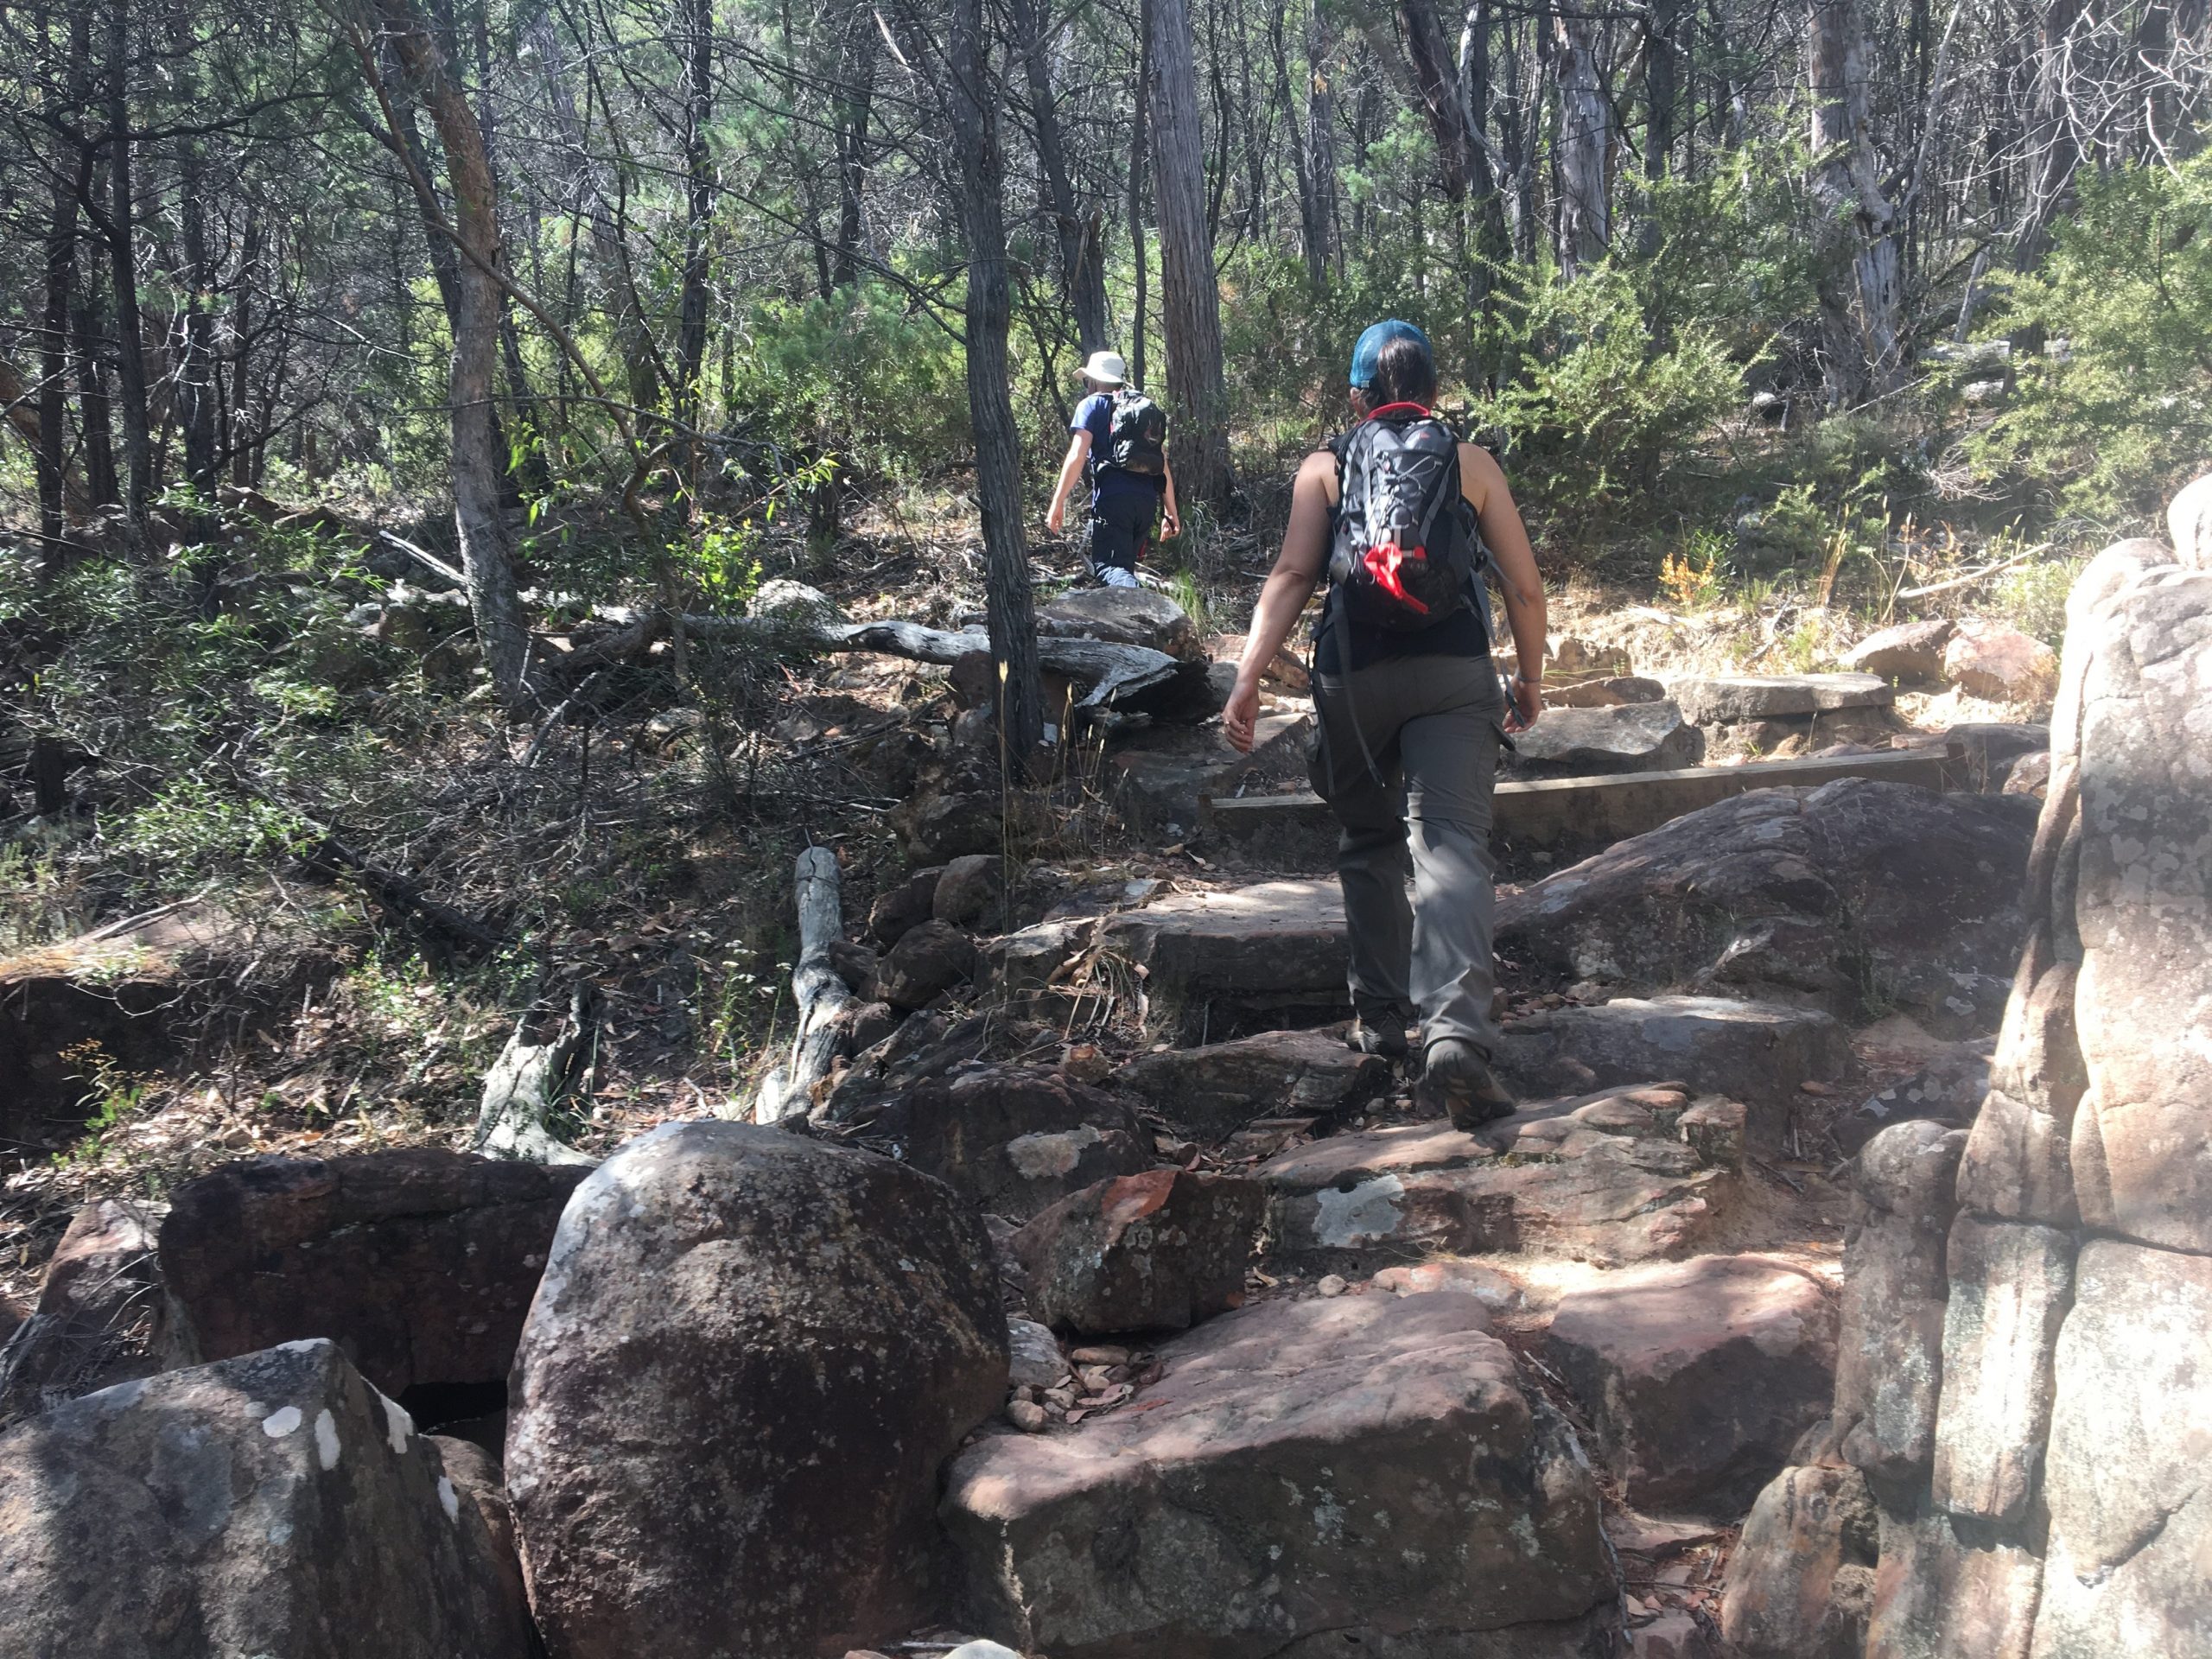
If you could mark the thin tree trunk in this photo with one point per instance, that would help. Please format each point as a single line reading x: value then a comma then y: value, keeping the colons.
x: 1082, y: 280
x: 123, y: 262
x: 480, y: 302
x: 54, y: 479
x: 695, y: 21
x: 94, y: 416
x: 1847, y: 189
x: 1010, y: 613
x: 240, y: 439
x: 1316, y: 185
x: 1190, y: 297
x: 2054, y: 152
x: 1586, y: 142
x: 196, y: 369
x: 1138, y: 135
x: 856, y: 102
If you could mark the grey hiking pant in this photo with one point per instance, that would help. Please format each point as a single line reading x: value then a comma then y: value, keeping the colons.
x: 1432, y: 726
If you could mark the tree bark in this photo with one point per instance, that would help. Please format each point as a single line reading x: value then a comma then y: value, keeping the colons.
x: 1191, y: 295
x: 695, y: 24
x: 1856, y: 220
x: 974, y: 101
x: 54, y: 482
x: 195, y: 368
x: 479, y: 304
x: 2054, y: 153
x: 1313, y: 153
x: 1081, y: 279
x: 1139, y: 137
x: 1586, y: 143
x: 817, y: 991
x: 123, y: 263
x: 855, y: 101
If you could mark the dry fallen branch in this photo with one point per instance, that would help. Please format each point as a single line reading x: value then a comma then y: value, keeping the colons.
x: 527, y: 1081
x: 820, y: 995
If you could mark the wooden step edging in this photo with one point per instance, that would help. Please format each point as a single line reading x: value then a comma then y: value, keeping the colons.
x: 1584, y: 813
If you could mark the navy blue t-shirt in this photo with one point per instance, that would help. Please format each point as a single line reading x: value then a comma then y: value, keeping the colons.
x: 1095, y: 415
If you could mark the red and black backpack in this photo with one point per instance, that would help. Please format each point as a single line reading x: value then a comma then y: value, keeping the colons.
x: 1406, y: 554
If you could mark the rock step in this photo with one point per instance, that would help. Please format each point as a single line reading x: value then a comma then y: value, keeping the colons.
x: 1621, y: 1176
x: 1712, y: 699
x: 1566, y: 813
x: 1362, y: 1474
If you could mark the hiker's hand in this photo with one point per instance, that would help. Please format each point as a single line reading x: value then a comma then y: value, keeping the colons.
x: 1528, y: 703
x: 1241, y: 714
x: 1055, y: 515
x: 1171, y: 524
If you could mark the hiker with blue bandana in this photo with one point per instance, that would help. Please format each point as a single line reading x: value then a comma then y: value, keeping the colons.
x: 1118, y: 440
x: 1407, y: 522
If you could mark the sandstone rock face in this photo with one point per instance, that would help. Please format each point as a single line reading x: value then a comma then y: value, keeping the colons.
x: 1571, y: 742
x: 2189, y: 523
x: 1949, y: 1090
x: 1801, y: 1583
x: 1601, y: 1186
x: 1211, y: 1093
x: 1752, y: 1052
x: 274, y: 1504
x: 419, y: 1264
x: 1123, y: 616
x: 2011, y: 1284
x: 1825, y: 898
x: 1699, y: 1375
x: 749, y: 1356
x: 1890, y: 1357
x: 2131, y: 1521
x: 102, y: 1317
x: 1910, y: 653
x: 1711, y: 699
x: 1015, y: 1138
x: 1938, y: 1595
x: 1159, y: 1250
x: 1987, y: 659
x: 1305, y: 1476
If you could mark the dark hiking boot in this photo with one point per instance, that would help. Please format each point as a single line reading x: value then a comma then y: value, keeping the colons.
x: 1456, y: 1076
x: 1384, y: 1035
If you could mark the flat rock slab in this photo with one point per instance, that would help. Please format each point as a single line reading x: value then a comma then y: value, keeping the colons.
x: 1569, y: 742
x: 1225, y: 959
x: 1164, y: 772
x: 1699, y: 1375
x: 1209, y: 1093
x: 1757, y: 1053
x: 1155, y: 1251
x: 1123, y: 616
x: 1717, y: 699
x: 420, y: 1264
x: 1587, y: 1183
x: 1305, y: 1476
x: 273, y: 1503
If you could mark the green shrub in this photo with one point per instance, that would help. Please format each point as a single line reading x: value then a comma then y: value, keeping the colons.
x: 2119, y: 410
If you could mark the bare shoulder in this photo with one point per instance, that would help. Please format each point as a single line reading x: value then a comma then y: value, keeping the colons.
x: 1479, y: 473
x: 1317, y: 472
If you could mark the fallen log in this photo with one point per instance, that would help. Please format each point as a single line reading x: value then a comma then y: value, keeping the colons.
x: 527, y: 1080
x: 817, y: 991
x: 401, y: 894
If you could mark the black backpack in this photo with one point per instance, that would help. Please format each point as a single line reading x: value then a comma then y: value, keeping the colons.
x: 1406, y: 554
x: 1137, y: 440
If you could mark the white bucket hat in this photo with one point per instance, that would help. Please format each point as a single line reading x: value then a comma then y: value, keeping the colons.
x: 1107, y: 367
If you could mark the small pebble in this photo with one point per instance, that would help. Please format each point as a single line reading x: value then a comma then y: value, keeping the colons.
x: 1332, y: 1284
x: 1027, y: 1416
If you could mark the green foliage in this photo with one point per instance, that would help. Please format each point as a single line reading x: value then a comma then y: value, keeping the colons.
x: 2033, y: 598
x: 2121, y: 409
x: 1596, y: 410
x: 189, y: 829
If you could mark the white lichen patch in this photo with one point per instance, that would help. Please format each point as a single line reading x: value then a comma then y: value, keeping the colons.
x: 1370, y: 1210
x: 396, y: 1423
x: 448, y: 1499
x: 281, y: 1421
x: 326, y: 1438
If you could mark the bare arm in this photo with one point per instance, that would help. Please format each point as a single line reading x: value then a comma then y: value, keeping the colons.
x: 1172, y: 522
x: 1070, y: 472
x: 1297, y: 567
x: 1507, y: 539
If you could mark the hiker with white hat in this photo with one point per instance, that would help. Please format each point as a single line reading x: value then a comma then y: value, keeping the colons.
x: 1119, y: 440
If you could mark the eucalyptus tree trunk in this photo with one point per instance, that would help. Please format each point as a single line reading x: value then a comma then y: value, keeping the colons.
x: 1138, y: 135
x: 1318, y: 220
x: 1082, y: 276
x: 480, y: 304
x: 2053, y: 152
x: 854, y: 108
x: 123, y: 265
x: 1856, y: 217
x: 54, y: 473
x: 694, y: 20
x: 1586, y: 144
x: 1190, y: 298
x: 1010, y: 615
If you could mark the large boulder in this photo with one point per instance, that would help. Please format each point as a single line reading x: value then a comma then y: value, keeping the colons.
x: 419, y: 1264
x: 270, y: 1504
x: 928, y: 960
x: 1911, y: 653
x: 1942, y: 1591
x: 1854, y: 897
x: 1801, y: 1581
x: 1015, y: 1139
x: 1999, y: 664
x: 102, y: 1316
x: 1699, y: 1375
x: 1602, y: 1179
x: 1570, y: 742
x: 1211, y: 1092
x: 748, y: 1360
x: 1306, y: 1478
x: 1890, y: 1350
x: 1123, y: 616
x: 1757, y: 1053
x: 1160, y: 1250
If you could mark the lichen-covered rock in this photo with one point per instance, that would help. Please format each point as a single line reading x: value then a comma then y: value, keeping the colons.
x: 1156, y: 1251
x: 103, y: 1315
x: 748, y: 1360
x: 928, y: 960
x: 1712, y: 699
x: 271, y: 1504
x: 1211, y: 1092
x: 1952, y: 1591
x: 1801, y: 1581
x: 1014, y: 1139
x: 2000, y: 664
x: 1309, y: 1478
x: 1123, y: 616
x: 1570, y: 742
